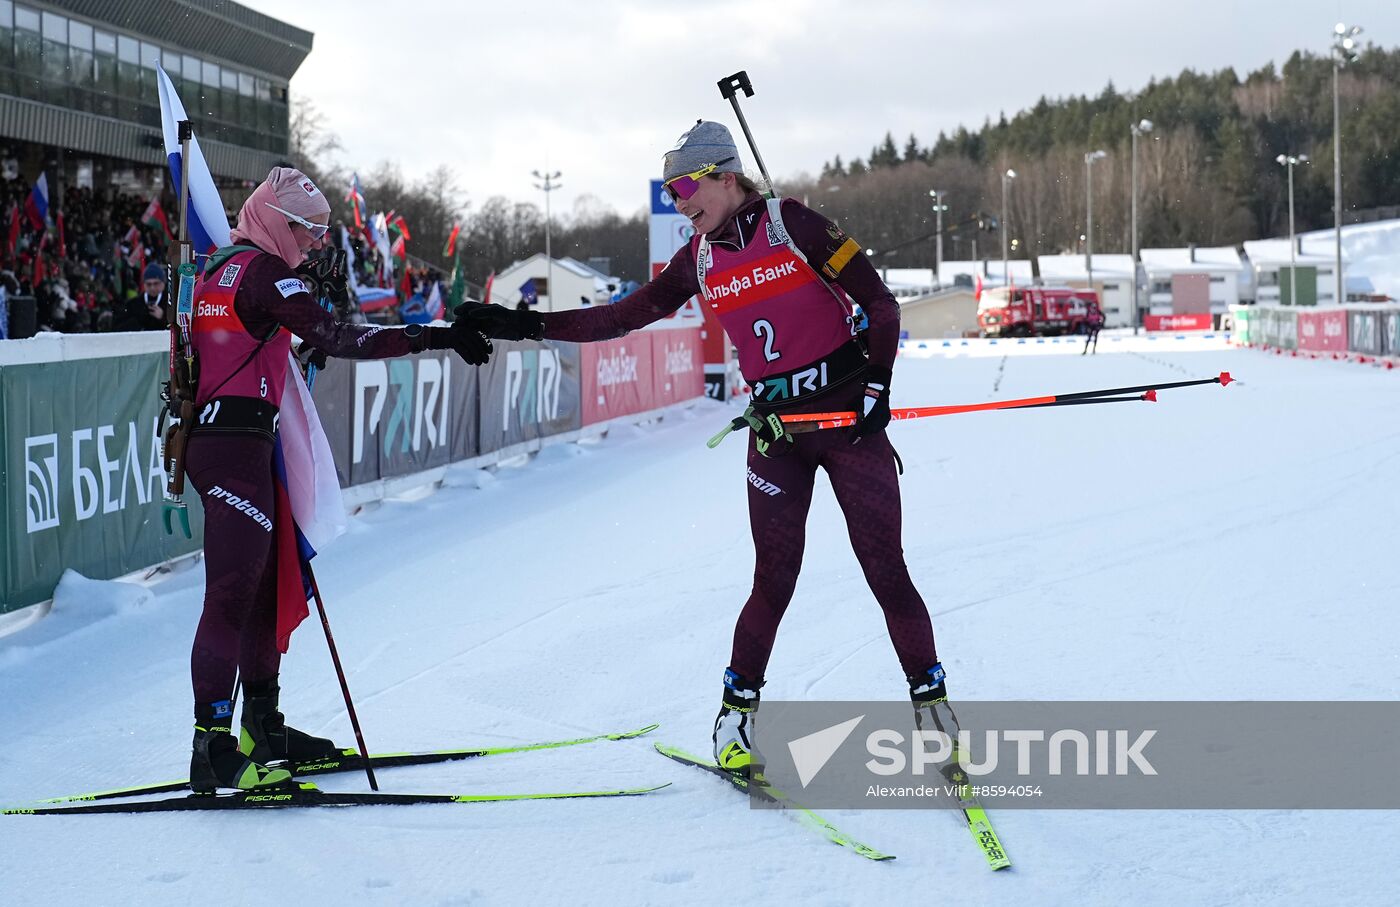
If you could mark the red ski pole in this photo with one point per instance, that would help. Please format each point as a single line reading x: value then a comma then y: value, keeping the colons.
x: 804, y: 422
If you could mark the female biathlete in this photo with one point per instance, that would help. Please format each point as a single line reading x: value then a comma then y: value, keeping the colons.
x: 780, y: 278
x: 246, y: 307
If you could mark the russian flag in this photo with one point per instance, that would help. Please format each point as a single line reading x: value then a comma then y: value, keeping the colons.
x: 207, y: 222
x: 310, y: 512
x: 37, y: 204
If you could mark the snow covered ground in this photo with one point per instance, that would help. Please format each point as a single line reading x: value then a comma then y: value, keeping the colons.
x: 1221, y: 544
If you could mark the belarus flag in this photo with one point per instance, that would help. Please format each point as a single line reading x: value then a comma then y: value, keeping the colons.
x: 37, y: 205
x: 155, y: 217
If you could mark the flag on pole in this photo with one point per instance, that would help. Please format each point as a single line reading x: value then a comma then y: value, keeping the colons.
x: 356, y: 198
x: 486, y: 294
x: 208, y: 224
x: 397, y: 222
x: 136, y: 257
x: 458, y: 291
x: 433, y: 304
x: 37, y: 204
x: 451, y: 248
x: 154, y: 217
x: 12, y: 240
x: 399, y: 249
x: 528, y: 294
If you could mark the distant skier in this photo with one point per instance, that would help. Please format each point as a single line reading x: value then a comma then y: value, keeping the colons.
x: 781, y: 279
x: 246, y: 307
x: 1092, y: 326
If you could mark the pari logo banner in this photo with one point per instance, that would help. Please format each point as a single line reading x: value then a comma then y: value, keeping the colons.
x: 401, y: 415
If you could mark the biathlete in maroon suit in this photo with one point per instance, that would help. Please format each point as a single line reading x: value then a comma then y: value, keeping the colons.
x: 781, y: 279
x: 247, y: 306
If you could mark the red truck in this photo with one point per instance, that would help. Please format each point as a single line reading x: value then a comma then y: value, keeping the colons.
x: 1037, y: 311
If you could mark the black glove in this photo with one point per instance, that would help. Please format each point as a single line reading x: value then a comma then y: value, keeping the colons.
x: 873, y: 413
x: 500, y: 322
x: 309, y: 355
x: 469, y: 343
x: 325, y: 278
x: 771, y: 438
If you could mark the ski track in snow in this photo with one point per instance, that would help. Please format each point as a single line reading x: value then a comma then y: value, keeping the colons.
x: 1221, y: 544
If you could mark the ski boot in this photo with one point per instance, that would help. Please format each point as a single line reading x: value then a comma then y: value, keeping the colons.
x: 734, y: 726
x: 216, y: 762
x: 932, y: 712
x: 265, y: 736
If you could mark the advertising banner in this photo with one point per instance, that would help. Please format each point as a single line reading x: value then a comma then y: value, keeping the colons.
x: 529, y: 390
x: 1243, y: 326
x: 616, y: 377
x: 1390, y: 333
x: 83, y: 479
x: 678, y: 370
x: 1197, y: 322
x: 393, y: 417
x: 1323, y: 331
x: 1364, y: 332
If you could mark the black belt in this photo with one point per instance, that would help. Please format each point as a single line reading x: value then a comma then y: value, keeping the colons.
x: 236, y: 414
x: 787, y: 388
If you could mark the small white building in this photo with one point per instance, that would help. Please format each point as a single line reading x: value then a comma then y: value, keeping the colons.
x: 1192, y: 280
x: 575, y: 284
x: 1113, y: 280
x: 965, y: 273
x: 1268, y: 256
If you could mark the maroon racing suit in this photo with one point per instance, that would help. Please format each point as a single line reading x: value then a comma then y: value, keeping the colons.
x: 791, y: 322
x: 245, y: 308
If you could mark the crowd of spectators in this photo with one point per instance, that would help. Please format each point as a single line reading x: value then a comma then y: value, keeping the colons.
x: 98, y: 264
x: 93, y: 266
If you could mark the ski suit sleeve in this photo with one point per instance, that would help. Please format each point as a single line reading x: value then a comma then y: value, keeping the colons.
x: 819, y: 239
x: 272, y: 294
x: 652, y: 302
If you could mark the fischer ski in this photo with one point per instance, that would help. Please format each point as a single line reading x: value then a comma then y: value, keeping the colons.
x: 977, y: 822
x: 307, y: 795
x: 774, y: 795
x: 349, y: 761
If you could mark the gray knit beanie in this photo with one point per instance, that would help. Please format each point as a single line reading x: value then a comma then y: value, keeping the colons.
x: 703, y: 144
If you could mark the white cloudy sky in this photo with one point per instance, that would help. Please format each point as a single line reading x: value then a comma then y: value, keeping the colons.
x: 601, y: 89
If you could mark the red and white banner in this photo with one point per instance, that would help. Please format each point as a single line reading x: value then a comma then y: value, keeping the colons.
x: 1195, y: 322
x: 1323, y: 331
x: 615, y: 377
x: 677, y: 365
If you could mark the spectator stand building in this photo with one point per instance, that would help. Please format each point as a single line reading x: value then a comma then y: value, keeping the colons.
x: 1192, y: 280
x: 79, y: 97
x: 80, y: 106
x: 1113, y: 280
x: 1268, y: 261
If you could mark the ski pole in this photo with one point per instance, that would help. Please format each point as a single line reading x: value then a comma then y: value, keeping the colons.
x: 729, y: 87
x: 340, y: 674
x: 799, y: 422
